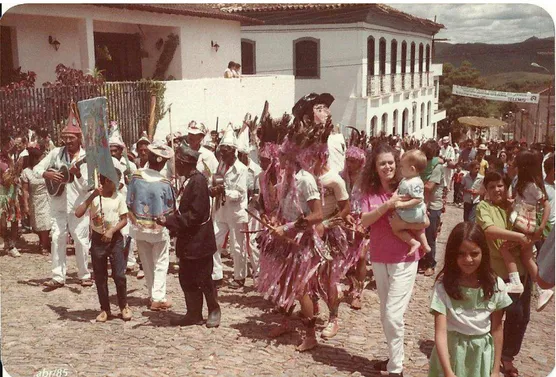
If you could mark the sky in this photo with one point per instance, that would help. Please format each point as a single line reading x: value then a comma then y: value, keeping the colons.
x: 487, y: 23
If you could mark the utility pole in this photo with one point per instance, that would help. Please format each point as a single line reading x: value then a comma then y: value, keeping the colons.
x: 546, y: 138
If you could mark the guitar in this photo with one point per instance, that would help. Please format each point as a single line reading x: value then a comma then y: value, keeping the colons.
x: 57, y: 188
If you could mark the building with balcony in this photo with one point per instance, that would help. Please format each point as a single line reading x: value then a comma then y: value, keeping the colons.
x: 374, y: 59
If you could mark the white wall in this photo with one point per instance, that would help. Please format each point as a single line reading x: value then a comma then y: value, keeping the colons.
x: 194, y: 58
x: 343, y: 72
x: 340, y: 64
x: 203, y: 100
x: 34, y: 53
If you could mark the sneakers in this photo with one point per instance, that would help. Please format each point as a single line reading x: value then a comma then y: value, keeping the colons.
x: 331, y: 329
x: 515, y: 287
x: 160, y: 305
x: 14, y: 252
x: 102, y: 317
x: 544, y: 298
x: 126, y: 313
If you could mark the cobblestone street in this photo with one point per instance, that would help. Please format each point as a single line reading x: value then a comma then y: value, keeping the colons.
x: 56, y: 331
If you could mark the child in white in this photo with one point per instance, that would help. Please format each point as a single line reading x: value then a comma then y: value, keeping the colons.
x: 530, y: 195
x: 414, y: 210
x: 467, y: 302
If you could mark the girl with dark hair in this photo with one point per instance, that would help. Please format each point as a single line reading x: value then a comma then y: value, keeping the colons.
x: 530, y: 194
x: 394, y: 269
x: 467, y: 304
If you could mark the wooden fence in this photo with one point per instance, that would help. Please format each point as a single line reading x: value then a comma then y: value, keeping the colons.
x: 34, y: 108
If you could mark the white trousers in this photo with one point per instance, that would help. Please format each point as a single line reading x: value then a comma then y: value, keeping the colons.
x: 448, y: 172
x: 155, y: 258
x: 253, y: 251
x: 63, y: 222
x: 131, y: 260
x: 394, y: 283
x: 237, y: 249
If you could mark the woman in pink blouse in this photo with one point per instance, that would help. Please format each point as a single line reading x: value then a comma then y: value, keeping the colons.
x: 393, y: 268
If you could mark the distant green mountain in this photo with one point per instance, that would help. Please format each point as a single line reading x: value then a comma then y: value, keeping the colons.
x: 493, y: 59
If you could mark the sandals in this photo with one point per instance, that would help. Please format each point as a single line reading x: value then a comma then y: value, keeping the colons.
x: 51, y: 285
x: 509, y: 372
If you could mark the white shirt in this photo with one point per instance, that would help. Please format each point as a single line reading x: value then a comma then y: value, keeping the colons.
x: 472, y: 184
x: 334, y: 191
x: 235, y: 186
x: 75, y: 192
x: 448, y: 154
x: 469, y: 319
x: 337, y: 152
x: 207, y: 163
x: 307, y: 190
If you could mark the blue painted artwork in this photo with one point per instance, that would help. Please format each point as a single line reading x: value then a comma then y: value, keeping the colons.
x: 94, y: 120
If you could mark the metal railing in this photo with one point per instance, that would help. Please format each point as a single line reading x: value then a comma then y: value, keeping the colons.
x: 378, y: 85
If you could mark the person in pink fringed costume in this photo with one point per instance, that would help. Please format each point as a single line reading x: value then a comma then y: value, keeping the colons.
x: 293, y: 255
x: 358, y: 239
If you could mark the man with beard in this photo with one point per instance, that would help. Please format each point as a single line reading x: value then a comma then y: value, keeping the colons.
x: 62, y: 207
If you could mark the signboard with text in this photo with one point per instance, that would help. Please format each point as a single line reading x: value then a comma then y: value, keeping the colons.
x: 495, y: 95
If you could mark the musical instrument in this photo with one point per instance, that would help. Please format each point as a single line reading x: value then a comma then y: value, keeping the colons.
x: 57, y: 188
x: 218, y: 180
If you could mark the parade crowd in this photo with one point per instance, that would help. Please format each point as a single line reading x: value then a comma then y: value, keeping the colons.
x: 303, y: 212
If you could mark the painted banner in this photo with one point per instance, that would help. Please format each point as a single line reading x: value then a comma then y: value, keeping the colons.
x: 94, y: 121
x: 495, y: 95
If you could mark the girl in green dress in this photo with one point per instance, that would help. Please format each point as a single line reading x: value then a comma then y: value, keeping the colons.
x: 467, y: 304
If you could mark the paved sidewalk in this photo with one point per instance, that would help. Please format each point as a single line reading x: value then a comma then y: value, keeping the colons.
x: 56, y: 332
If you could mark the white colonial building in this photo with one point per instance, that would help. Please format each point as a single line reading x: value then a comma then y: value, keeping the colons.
x: 126, y: 42
x: 374, y: 59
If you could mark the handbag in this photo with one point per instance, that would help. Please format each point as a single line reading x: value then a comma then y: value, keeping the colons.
x: 524, y: 218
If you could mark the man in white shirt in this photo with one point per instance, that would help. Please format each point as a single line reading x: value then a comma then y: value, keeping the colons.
x: 63, y: 207
x: 253, y: 173
x: 337, y: 152
x: 117, y: 147
x: 229, y: 211
x: 472, y: 183
x: 207, y: 162
x: 448, y: 154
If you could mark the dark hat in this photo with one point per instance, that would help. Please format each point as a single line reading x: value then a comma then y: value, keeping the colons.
x: 306, y: 103
x: 187, y: 155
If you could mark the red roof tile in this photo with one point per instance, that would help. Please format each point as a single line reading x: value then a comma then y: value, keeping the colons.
x: 193, y: 10
x: 246, y: 8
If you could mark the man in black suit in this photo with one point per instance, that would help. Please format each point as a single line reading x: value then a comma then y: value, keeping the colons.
x: 192, y: 225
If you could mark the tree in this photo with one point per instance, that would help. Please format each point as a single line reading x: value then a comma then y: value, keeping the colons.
x: 458, y: 106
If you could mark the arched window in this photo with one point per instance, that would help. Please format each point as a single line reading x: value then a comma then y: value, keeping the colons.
x: 428, y: 59
x: 374, y: 121
x: 382, y: 56
x: 248, y: 48
x: 405, y: 117
x: 395, y: 122
x: 306, y: 58
x: 420, y: 57
x: 412, y: 59
x: 404, y: 56
x: 384, y: 125
x: 422, y: 114
x: 371, y: 56
x: 429, y: 114
x: 393, y: 56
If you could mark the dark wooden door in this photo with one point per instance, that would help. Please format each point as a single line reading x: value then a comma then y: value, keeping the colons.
x: 118, y: 56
